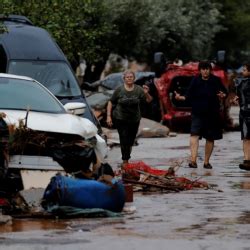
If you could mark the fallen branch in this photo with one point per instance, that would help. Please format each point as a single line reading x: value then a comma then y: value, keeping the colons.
x: 171, y: 187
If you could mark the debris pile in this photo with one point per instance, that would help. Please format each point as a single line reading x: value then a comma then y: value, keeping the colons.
x: 150, y: 179
x: 83, y: 193
x: 72, y: 152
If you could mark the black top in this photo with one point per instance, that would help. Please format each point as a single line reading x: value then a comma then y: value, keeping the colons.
x: 202, y: 94
x: 127, y: 103
x: 243, y: 91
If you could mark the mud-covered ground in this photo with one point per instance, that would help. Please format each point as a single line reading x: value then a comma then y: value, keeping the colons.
x: 217, y: 218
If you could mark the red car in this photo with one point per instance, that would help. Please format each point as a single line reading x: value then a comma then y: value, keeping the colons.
x: 177, y: 114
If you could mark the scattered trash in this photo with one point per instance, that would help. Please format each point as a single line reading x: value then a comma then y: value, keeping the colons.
x: 129, y: 193
x: 172, y: 134
x: 82, y: 193
x: 152, y: 129
x: 5, y: 219
x: 139, y: 173
x: 129, y: 209
x: 73, y: 212
x: 32, y: 196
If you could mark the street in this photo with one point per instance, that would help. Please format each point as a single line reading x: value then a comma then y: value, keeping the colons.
x: 73, y: 73
x: 216, y: 218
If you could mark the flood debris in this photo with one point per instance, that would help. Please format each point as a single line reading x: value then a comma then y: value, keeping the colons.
x: 81, y: 190
x: 85, y: 194
x: 67, y: 196
x: 72, y: 152
x: 151, y: 179
x: 28, y: 155
x: 32, y: 197
x: 152, y: 129
x: 97, y: 190
x: 75, y: 212
x: 5, y: 219
x: 25, y: 149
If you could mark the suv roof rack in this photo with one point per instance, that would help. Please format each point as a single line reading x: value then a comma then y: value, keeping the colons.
x: 15, y: 19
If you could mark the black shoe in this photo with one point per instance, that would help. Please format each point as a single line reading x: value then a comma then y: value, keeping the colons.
x: 241, y: 166
x: 245, y: 165
x: 207, y: 166
x: 192, y: 165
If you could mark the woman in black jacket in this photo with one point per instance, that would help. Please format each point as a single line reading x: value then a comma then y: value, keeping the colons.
x: 204, y: 94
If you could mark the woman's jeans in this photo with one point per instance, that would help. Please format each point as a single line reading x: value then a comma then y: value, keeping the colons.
x: 127, y: 132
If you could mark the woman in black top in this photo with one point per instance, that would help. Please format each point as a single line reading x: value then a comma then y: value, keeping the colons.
x: 204, y: 94
x: 243, y: 99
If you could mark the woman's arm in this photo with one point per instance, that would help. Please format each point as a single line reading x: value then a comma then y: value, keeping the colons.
x: 149, y: 98
x: 179, y: 97
x: 109, y: 112
x: 2, y: 115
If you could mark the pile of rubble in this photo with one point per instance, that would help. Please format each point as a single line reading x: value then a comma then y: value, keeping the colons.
x: 151, y: 179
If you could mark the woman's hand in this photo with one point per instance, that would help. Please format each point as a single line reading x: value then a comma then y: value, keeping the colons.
x: 109, y: 121
x: 2, y: 115
x: 221, y: 95
x: 179, y: 97
x: 235, y: 100
x: 149, y: 98
x: 146, y: 89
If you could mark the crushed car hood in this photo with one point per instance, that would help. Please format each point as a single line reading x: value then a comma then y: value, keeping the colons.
x: 58, y: 123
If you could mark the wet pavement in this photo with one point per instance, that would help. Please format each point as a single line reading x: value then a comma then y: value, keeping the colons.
x: 217, y: 218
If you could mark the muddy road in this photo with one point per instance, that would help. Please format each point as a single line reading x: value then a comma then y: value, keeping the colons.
x: 217, y: 218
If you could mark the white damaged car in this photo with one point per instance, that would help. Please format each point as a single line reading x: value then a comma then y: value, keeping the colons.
x: 38, y: 133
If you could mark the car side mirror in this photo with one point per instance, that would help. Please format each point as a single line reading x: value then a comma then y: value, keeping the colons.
x: 159, y: 63
x: 221, y: 56
x: 75, y: 108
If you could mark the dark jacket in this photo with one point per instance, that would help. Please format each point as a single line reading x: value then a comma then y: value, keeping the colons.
x: 202, y: 95
x: 243, y: 92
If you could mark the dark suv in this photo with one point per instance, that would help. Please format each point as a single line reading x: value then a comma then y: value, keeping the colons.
x: 30, y: 51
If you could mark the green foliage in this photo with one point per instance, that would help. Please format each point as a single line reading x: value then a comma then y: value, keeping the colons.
x: 176, y: 27
x: 192, y: 29
x: 78, y: 26
x: 235, y: 38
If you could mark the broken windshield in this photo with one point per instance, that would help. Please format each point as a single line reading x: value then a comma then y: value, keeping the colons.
x: 56, y: 76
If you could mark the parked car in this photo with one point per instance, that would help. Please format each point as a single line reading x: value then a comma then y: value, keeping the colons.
x: 113, y: 80
x: 171, y: 78
x: 42, y: 134
x: 30, y: 51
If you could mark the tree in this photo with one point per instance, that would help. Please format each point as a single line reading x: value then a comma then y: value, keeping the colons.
x: 176, y: 27
x: 78, y: 26
x: 132, y: 28
x: 235, y: 37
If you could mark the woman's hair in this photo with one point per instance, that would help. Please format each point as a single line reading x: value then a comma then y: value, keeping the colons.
x: 247, y: 65
x: 204, y: 65
x: 126, y: 72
